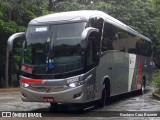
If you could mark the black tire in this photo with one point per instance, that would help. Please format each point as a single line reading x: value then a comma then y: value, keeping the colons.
x: 107, y: 93
x: 103, y: 98
x: 142, y: 90
x: 80, y: 108
x: 53, y: 106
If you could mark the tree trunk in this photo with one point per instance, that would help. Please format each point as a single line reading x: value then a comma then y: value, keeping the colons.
x: 50, y: 5
x: 10, y: 14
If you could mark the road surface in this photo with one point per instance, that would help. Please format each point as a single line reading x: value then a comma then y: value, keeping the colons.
x: 121, y: 106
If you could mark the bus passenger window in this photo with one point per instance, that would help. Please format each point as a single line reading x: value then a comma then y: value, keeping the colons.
x: 113, y: 38
x: 108, y: 34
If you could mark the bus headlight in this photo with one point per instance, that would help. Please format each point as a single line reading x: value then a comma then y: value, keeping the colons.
x: 77, y: 81
x: 25, y: 85
x: 72, y: 85
x: 76, y: 84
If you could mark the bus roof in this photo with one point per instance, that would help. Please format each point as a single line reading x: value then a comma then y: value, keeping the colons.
x: 83, y: 15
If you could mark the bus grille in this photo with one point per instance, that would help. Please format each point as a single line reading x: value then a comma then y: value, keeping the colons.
x: 51, y: 88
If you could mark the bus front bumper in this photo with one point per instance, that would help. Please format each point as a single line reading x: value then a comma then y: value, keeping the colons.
x: 71, y: 95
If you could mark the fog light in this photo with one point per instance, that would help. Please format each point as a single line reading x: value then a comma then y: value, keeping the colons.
x: 78, y: 95
x: 24, y: 95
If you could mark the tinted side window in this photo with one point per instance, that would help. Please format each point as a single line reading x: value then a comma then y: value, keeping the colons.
x: 115, y: 38
x: 96, y: 22
x: 146, y: 48
x: 143, y: 47
x: 138, y: 46
x: 92, y: 50
x: 149, y: 53
x: 90, y: 53
x: 108, y: 37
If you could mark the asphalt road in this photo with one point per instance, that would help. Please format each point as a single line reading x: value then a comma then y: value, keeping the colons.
x: 134, y: 105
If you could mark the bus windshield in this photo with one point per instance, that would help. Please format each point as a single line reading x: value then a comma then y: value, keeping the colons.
x: 53, y: 48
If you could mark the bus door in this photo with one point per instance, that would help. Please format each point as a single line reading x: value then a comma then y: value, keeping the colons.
x: 94, y: 52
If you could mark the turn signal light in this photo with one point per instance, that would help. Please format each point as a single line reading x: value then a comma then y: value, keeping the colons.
x: 26, y: 68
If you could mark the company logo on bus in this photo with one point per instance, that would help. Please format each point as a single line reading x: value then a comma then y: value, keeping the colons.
x: 47, y: 89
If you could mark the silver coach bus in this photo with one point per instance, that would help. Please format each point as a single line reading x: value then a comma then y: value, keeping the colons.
x: 82, y: 56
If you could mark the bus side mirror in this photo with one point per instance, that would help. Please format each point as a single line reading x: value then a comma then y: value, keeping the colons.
x: 8, y: 50
x: 85, y: 35
x: 11, y: 40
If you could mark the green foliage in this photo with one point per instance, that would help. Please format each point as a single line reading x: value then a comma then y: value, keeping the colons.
x: 102, y: 6
x: 8, y: 27
x: 156, y: 23
x: 156, y: 3
x: 68, y: 6
x: 156, y: 80
x: 14, y: 17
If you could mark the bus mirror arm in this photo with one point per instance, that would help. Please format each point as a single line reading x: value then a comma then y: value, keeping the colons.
x: 8, y: 50
x: 11, y: 40
x: 85, y: 35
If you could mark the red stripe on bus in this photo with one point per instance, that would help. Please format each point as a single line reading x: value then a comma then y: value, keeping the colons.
x: 32, y: 81
x: 139, y: 74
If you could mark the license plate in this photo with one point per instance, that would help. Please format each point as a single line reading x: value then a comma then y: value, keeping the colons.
x: 48, y: 99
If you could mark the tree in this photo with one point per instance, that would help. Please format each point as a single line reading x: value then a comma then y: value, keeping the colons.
x: 68, y: 6
x: 14, y: 17
x: 156, y: 35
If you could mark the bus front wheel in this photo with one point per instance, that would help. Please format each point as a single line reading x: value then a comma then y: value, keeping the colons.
x: 142, y: 90
x: 53, y: 106
x: 103, y: 98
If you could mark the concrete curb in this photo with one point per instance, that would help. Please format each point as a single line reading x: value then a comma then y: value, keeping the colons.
x: 156, y: 96
x: 9, y: 89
